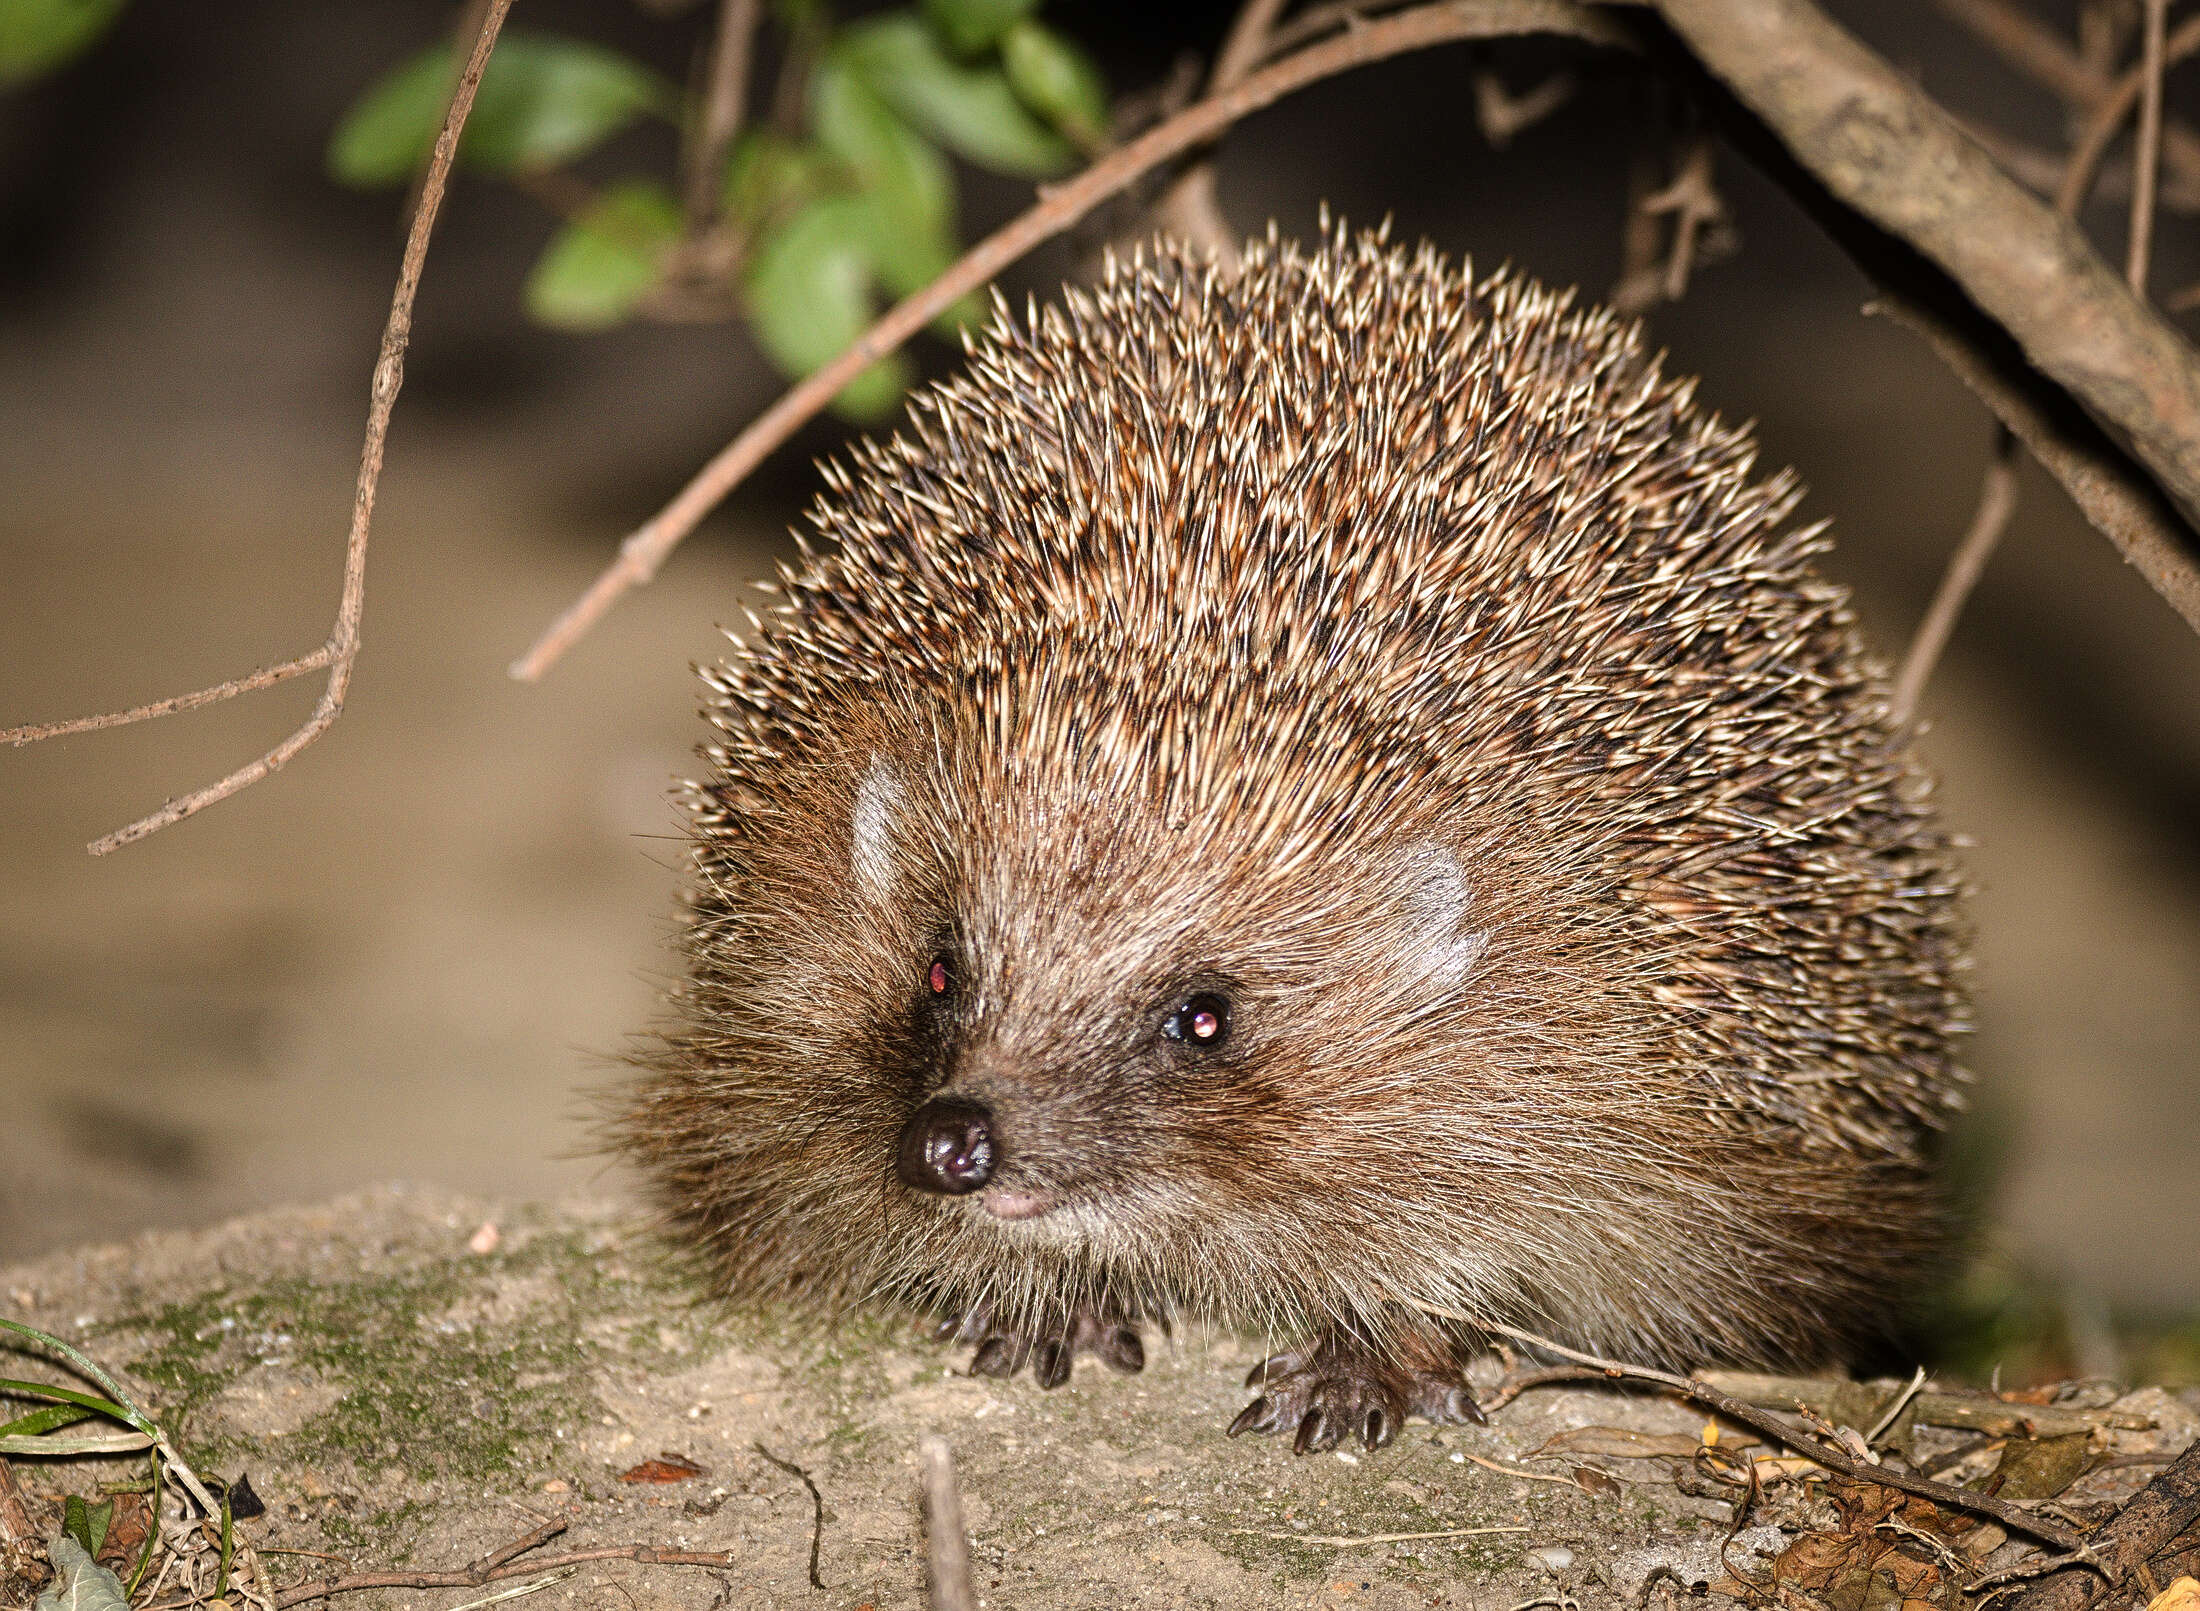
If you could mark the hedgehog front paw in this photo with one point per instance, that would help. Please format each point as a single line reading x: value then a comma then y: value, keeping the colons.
x: 1340, y: 1387
x: 1051, y: 1348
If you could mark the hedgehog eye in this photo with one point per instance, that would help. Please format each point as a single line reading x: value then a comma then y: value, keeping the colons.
x: 1202, y: 1021
x: 939, y: 978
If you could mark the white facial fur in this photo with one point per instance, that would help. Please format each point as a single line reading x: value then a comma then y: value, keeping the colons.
x: 871, y: 838
x: 1440, y: 946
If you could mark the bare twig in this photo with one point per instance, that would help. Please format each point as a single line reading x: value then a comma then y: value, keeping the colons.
x: 1887, y: 150
x: 1948, y: 1407
x: 2041, y: 172
x: 2155, y: 1517
x: 647, y: 547
x: 341, y: 650
x: 1189, y: 208
x: 1344, y: 1541
x: 946, y: 1545
x: 1522, y: 1377
x: 491, y: 1569
x: 1500, y: 114
x: 1696, y: 206
x: 1997, y: 500
x: 719, y: 121
x: 1244, y: 46
x: 2035, y: 50
x: 2147, y: 153
x: 817, y: 1509
x: 1835, y: 1459
x: 265, y: 677
x: 2124, y: 507
x: 2108, y: 117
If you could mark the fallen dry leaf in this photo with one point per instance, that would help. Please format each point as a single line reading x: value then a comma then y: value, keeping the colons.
x: 667, y: 1467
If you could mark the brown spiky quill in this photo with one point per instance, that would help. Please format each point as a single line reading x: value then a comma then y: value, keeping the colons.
x: 1401, y: 660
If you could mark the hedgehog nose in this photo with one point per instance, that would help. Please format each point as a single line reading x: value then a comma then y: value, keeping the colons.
x: 946, y: 1147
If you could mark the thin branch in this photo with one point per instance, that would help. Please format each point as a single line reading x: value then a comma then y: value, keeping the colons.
x: 946, y: 1545
x: 341, y: 650
x: 2152, y: 1520
x: 724, y: 96
x: 1887, y: 150
x: 646, y: 549
x: 1501, y: 115
x: 2100, y: 132
x: 2035, y: 50
x: 2125, y: 507
x: 252, y: 682
x: 1997, y: 500
x: 817, y: 1503
x: 1700, y: 1392
x: 1246, y: 43
x: 2042, y: 170
x: 1694, y: 201
x: 1189, y: 208
x: 474, y: 1577
x: 2147, y: 153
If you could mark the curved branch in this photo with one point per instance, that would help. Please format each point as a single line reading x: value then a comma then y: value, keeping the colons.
x: 648, y: 546
x: 1885, y: 149
x: 340, y: 651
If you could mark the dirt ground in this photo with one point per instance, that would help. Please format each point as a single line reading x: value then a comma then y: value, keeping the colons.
x: 409, y: 955
x: 405, y: 1392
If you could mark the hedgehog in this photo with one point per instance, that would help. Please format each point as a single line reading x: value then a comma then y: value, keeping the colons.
x: 1301, y: 798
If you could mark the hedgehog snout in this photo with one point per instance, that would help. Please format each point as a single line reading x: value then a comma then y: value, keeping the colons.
x: 947, y: 1147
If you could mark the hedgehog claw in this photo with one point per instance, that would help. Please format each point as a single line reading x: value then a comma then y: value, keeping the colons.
x: 1258, y: 1416
x: 1341, y: 1390
x: 1051, y: 1349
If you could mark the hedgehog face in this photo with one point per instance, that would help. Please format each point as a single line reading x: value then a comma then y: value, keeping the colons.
x: 1117, y: 1021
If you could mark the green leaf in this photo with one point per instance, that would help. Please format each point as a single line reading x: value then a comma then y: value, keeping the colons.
x: 904, y: 180
x: 87, y: 1524
x: 770, y: 175
x: 809, y: 286
x: 543, y: 101
x: 45, y: 1420
x: 885, y: 156
x: 598, y: 267
x: 79, y: 1582
x: 970, y: 109
x: 36, y: 36
x: 1058, y: 81
x: 69, y: 1395
x: 972, y: 27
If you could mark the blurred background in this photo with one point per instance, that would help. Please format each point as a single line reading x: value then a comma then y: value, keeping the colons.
x: 413, y: 952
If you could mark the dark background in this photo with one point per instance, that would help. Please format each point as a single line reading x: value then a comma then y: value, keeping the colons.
x: 406, y: 955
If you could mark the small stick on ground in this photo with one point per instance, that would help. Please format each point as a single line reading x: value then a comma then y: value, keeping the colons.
x: 2011, y: 1516
x: 2152, y: 1520
x: 817, y: 1510
x: 491, y: 1568
x: 645, y: 549
x: 946, y: 1545
x: 1997, y: 500
x: 341, y: 650
x: 1341, y: 1541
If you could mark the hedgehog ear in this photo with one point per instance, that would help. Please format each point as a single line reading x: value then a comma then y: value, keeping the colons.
x: 1442, y: 946
x: 872, y: 847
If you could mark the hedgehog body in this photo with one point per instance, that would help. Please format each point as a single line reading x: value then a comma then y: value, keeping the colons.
x: 1297, y: 798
